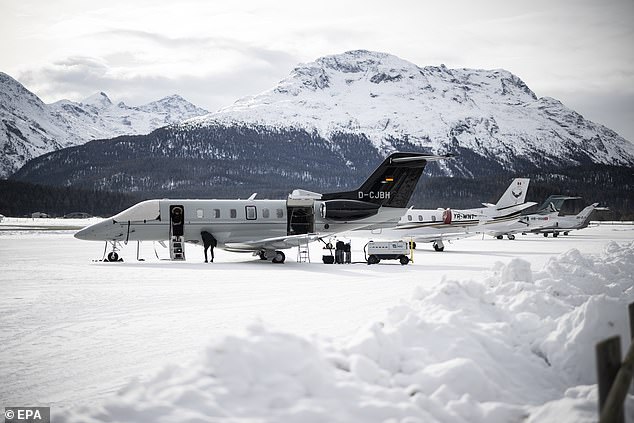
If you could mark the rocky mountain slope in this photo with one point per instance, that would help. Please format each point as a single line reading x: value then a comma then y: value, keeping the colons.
x: 491, y: 113
x: 30, y: 128
x: 330, y: 123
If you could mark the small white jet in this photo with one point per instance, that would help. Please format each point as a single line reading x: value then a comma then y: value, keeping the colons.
x: 565, y: 224
x: 265, y: 227
x: 546, y: 220
x: 439, y: 225
x: 526, y: 223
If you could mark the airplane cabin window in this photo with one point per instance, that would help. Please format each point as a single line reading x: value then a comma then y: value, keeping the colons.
x: 265, y: 213
x: 233, y: 213
x: 217, y: 213
x: 280, y: 213
x: 409, y: 217
x: 251, y: 212
x: 420, y: 217
x: 433, y: 218
x: 199, y: 213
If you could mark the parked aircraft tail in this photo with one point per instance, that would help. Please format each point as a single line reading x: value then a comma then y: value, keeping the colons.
x: 555, y: 201
x: 392, y: 183
x: 515, y: 194
x: 547, y: 209
x: 584, y: 215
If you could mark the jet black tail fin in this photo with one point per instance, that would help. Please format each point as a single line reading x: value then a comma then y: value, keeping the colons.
x: 392, y: 183
x: 555, y: 201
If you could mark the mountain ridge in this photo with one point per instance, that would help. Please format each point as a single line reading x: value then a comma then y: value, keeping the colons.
x: 29, y: 127
x: 332, y: 121
x: 385, y: 97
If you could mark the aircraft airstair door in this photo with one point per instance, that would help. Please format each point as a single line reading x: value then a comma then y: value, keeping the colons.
x: 177, y: 240
x: 177, y: 248
x: 300, y: 216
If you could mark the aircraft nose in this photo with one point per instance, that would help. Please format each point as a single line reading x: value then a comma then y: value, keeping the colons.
x: 84, y: 234
x: 93, y: 232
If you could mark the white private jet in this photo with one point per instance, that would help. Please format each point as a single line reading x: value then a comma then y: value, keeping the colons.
x: 265, y: 227
x: 565, y: 224
x: 440, y: 225
x: 526, y: 223
x: 546, y: 220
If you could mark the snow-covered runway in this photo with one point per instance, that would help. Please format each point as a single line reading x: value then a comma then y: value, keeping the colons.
x: 76, y: 331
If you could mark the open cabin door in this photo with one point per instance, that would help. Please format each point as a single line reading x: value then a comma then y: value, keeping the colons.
x: 176, y: 239
x: 300, y: 216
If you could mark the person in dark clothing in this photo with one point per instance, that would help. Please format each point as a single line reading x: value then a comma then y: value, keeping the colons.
x: 209, y: 242
x: 339, y: 254
x: 347, y: 253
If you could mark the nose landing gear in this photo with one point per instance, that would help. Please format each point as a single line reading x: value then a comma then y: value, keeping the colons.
x: 112, y: 256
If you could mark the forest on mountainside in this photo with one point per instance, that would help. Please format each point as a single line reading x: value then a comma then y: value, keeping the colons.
x: 20, y: 199
x: 609, y: 185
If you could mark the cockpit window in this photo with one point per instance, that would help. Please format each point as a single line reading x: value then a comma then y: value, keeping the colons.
x: 145, y: 210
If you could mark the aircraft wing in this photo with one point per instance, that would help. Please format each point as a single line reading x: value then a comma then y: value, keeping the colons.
x: 431, y: 234
x: 506, y: 227
x: 276, y: 243
x: 388, y: 224
x: 529, y: 223
x: 441, y: 237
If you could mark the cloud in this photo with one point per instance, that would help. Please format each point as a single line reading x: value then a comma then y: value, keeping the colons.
x: 136, y: 79
x: 213, y: 53
x: 208, y: 44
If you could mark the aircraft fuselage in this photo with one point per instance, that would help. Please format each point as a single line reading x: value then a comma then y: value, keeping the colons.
x: 232, y: 222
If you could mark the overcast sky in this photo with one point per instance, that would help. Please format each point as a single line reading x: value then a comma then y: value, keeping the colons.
x: 210, y: 52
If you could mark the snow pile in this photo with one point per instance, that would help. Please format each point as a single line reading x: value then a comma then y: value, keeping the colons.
x: 22, y: 225
x: 517, y: 346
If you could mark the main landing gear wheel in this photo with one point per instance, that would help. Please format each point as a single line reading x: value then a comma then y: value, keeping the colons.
x: 566, y: 233
x: 499, y: 237
x: 404, y: 260
x: 511, y: 237
x: 262, y: 255
x: 438, y: 247
x: 555, y: 234
x: 545, y: 234
x: 112, y: 256
x: 279, y: 257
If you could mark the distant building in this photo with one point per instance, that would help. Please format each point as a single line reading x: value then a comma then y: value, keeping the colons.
x: 77, y: 215
x: 39, y: 214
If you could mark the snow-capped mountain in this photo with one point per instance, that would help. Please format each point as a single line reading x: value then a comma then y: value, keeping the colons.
x: 332, y: 121
x: 491, y: 113
x: 30, y: 128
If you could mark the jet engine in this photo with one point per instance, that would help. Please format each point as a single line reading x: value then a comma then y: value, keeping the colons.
x: 347, y: 209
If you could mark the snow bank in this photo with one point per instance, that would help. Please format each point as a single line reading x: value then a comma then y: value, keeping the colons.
x: 38, y: 224
x: 517, y: 346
